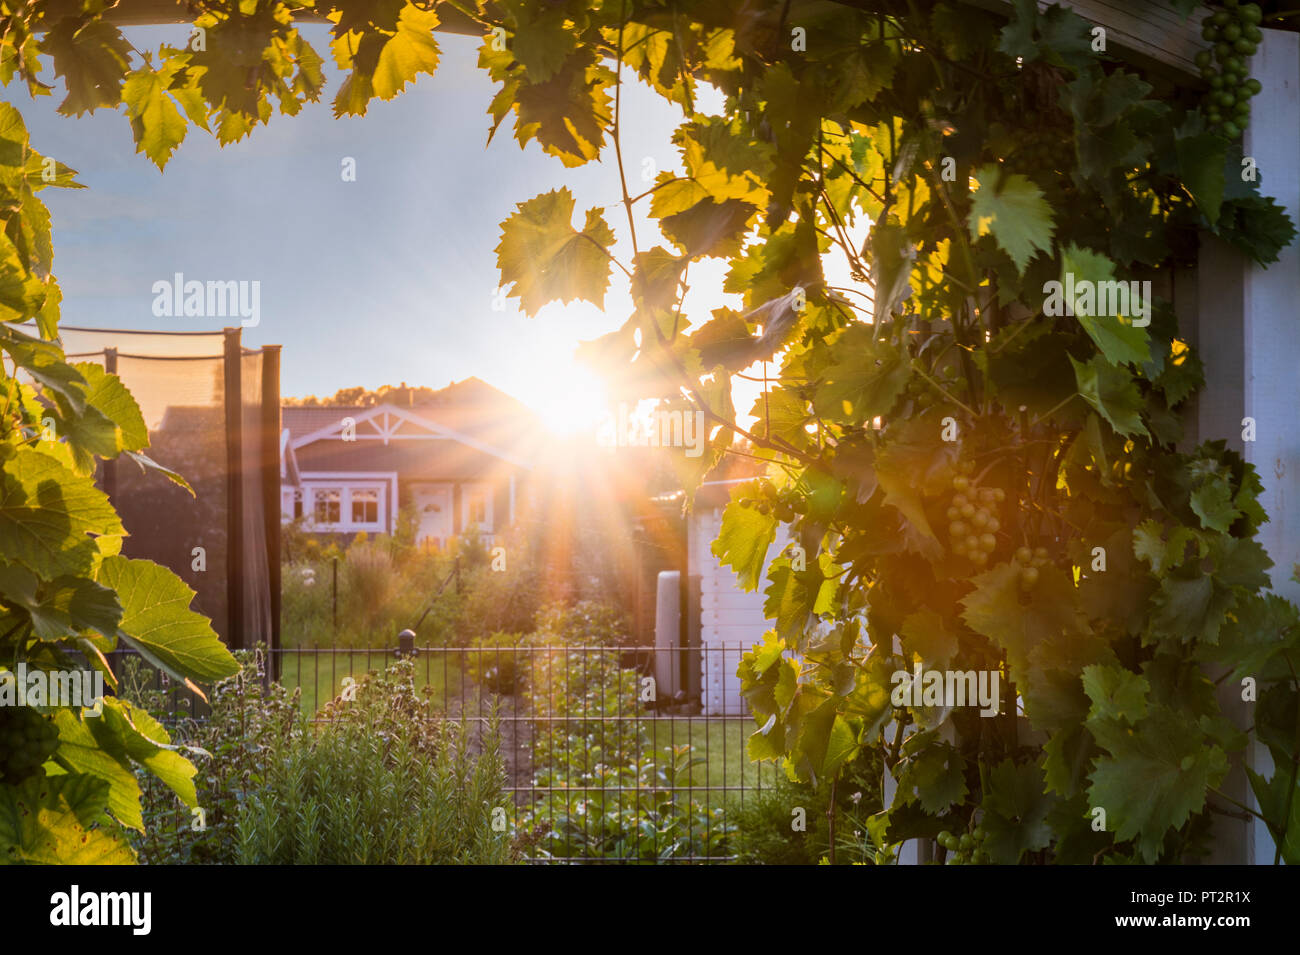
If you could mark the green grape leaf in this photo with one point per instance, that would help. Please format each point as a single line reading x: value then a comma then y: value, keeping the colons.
x: 1014, y: 211
x: 794, y: 595
x: 935, y: 777
x: 1154, y: 777
x: 1211, y: 501
x: 62, y: 606
x: 1190, y: 608
x: 1274, y: 795
x: 743, y: 542
x: 1200, y: 167
x: 1116, y: 692
x: 1090, y: 273
x: 410, y: 51
x: 547, y: 258
x: 126, y: 730
x: 1113, y: 394
x: 106, y: 393
x: 92, y: 57
x: 866, y: 382
x: 925, y: 634
x: 1016, y: 805
x: 48, y: 820
x: 993, y: 608
x: 156, y: 123
x: 158, y: 622
x: 80, y: 752
x: 147, y: 463
x: 1257, y: 225
x: 47, y: 514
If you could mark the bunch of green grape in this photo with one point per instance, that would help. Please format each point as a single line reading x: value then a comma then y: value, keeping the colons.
x: 27, y: 739
x: 973, y: 520
x: 785, y: 503
x: 1041, y: 147
x: 1030, y: 561
x: 968, y: 849
x: 1235, y: 33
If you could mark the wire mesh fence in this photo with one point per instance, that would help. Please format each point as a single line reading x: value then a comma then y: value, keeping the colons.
x: 601, y: 764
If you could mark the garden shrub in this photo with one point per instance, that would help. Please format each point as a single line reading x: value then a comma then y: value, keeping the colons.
x: 383, y: 780
x: 250, y: 720
x: 498, y: 662
x: 623, y: 802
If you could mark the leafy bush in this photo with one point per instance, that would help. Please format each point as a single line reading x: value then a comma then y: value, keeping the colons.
x: 499, y: 663
x: 607, y: 793
x: 385, y: 780
x: 250, y: 721
x: 587, y: 623
x: 765, y: 824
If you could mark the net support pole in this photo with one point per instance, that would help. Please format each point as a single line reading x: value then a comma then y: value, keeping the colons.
x: 271, y: 487
x: 110, y: 466
x: 234, y: 399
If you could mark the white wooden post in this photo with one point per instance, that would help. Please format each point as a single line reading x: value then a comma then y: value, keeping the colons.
x: 1247, y: 329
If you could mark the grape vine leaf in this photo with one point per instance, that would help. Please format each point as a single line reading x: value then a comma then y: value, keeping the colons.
x: 47, y: 514
x: 1155, y: 776
x: 547, y: 258
x: 1013, y: 209
x: 743, y: 542
x: 92, y: 57
x: 1016, y: 805
x: 156, y: 123
x: 49, y: 820
x: 158, y: 622
x: 1120, y: 341
x: 1113, y: 394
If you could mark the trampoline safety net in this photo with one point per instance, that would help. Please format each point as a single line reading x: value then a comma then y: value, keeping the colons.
x: 209, y: 404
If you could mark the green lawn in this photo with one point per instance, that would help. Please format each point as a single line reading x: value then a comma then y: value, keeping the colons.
x: 320, y: 675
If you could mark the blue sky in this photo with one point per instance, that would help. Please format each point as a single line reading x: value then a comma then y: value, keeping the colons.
x: 389, y: 278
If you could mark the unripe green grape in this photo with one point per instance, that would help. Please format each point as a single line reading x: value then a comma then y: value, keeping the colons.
x: 1231, y: 129
x: 1214, y: 116
x: 960, y: 484
x: 988, y: 542
x: 1251, y: 13
x: 1220, y: 18
x: 1244, y: 47
x: 1203, y: 59
x: 1253, y: 34
x: 1222, y: 51
x: 1216, y: 82
x: 1254, y: 86
x: 1225, y: 99
x: 1232, y: 32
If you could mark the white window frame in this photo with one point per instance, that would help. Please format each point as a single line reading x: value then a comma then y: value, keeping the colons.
x: 345, y: 487
x: 466, y: 492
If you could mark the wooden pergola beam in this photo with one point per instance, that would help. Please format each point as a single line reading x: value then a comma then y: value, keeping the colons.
x: 1147, y: 32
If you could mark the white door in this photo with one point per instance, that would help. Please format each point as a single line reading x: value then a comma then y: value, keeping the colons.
x: 433, y: 504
